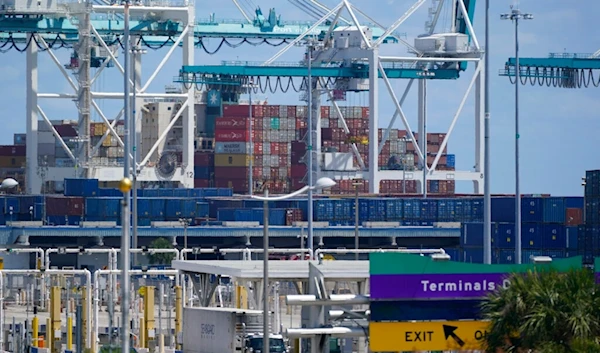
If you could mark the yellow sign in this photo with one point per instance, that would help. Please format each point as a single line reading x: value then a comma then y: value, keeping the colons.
x: 427, y: 336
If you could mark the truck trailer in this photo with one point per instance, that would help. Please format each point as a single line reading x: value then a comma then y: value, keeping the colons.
x: 227, y: 330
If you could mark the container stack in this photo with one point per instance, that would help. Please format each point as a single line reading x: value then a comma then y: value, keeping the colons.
x: 109, y: 153
x: 589, y: 240
x: 12, y: 163
x: 549, y: 228
x: 204, y: 169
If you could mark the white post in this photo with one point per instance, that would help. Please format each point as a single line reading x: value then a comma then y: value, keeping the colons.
x: 32, y: 184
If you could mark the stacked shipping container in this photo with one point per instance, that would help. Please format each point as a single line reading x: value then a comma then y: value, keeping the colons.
x: 549, y: 227
x: 12, y: 163
x: 589, y: 240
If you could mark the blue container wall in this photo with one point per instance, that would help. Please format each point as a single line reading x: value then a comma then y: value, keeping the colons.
x: 57, y: 220
x: 81, y: 187
x: 157, y: 208
x: 212, y: 192
x: 532, y: 210
x: 471, y: 234
x: 11, y: 203
x: 412, y: 210
x: 446, y: 210
x: 454, y: 253
x: 572, y: 237
x: 216, y: 205
x: 532, y: 236
x: 377, y: 210
x: 451, y: 161
x: 554, y: 210
x: 226, y: 214
x: 394, y: 210
x: 203, y: 172
x: 434, y: 186
x: 324, y: 210
x: 476, y: 210
x: 473, y: 255
x: 554, y: 236
x: 573, y: 202
x: 503, y: 256
x: 176, y: 208
x: 225, y: 192
x: 505, y: 235
x: 202, y: 209
x: 181, y: 193
x: 343, y: 209
x: 73, y: 220
x: 151, y: 193
x: 503, y: 209
x: 429, y: 210
x: 143, y: 208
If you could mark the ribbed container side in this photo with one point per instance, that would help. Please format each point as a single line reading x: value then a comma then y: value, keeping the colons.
x: 429, y: 210
x: 532, y: 236
x: 324, y: 210
x: 226, y: 214
x: 181, y: 192
x: 503, y: 209
x: 73, y: 220
x: 554, y: 210
x: 165, y: 192
x: 143, y: 207
x: 150, y: 193
x: 412, y: 209
x: 454, y: 253
x: 232, y: 123
x: 92, y: 207
x: 446, y: 210
x: 532, y: 210
x: 57, y: 220
x: 476, y: 209
x: 394, y: 209
x: 11, y: 204
x: 232, y: 160
x: 471, y: 235
x: 472, y: 255
x: 573, y: 202
x: 29, y: 202
x: 217, y: 205
x: 343, y: 209
x: 592, y: 210
x: 203, y: 172
x: 231, y: 173
x: 232, y: 147
x: 505, y: 237
x: 504, y: 256
x: 574, y: 216
x: 377, y: 208
x: 157, y: 208
x: 451, y: 161
x: 176, y: 208
x: 211, y: 192
x: 554, y: 236
x: 202, y: 209
x: 572, y: 237
x: 81, y: 187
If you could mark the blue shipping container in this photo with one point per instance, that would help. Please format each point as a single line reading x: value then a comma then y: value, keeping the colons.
x: 554, y: 210
x: 446, y: 210
x: 57, y: 220
x: 226, y: 214
x: 394, y: 210
x: 554, y: 236
x: 454, y: 253
x: 11, y: 205
x: 503, y: 209
x: 181, y: 193
x: 81, y: 187
x: 471, y: 234
x: 434, y: 186
x: 532, y: 209
x: 143, y: 208
x: 505, y: 235
x: 572, y: 237
x: 157, y: 208
x: 429, y: 210
x: 202, y: 209
x: 573, y: 202
x: 532, y: 236
x: 503, y: 256
x: 203, y: 172
x: 412, y: 209
x: 473, y: 255
x: 475, y: 210
x: 528, y: 255
x: 225, y: 192
x: 324, y: 210
x: 450, y: 160
x: 343, y: 209
x: 73, y: 220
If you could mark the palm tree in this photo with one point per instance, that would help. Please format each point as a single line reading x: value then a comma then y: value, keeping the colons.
x: 545, y: 312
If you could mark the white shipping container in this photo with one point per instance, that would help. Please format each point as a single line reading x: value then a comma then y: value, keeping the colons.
x: 301, y: 111
x: 283, y: 109
x: 232, y: 147
x: 324, y: 122
x: 267, y: 148
x: 283, y: 172
x: 338, y: 161
x: 112, y: 152
x: 266, y: 173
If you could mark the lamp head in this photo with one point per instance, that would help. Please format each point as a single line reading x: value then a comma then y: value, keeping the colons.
x: 8, y: 183
x: 324, y: 183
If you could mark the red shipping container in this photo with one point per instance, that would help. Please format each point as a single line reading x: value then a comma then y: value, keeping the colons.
x: 236, y: 110
x: 297, y: 157
x: 92, y: 129
x: 274, y: 148
x: 574, y: 216
x: 258, y: 148
x: 283, y: 161
x: 298, y: 146
x: 231, y: 173
x: 293, y: 215
x: 258, y: 160
x: 257, y: 172
x: 12, y: 151
x: 326, y: 134
x: 283, y: 148
x: 258, y: 111
x: 201, y: 183
x: 365, y: 112
x: 232, y: 136
x: 57, y: 206
x: 325, y: 112
x: 258, y: 135
x: 231, y: 123
x: 291, y: 111
x: 298, y: 171
x: 204, y: 159
x: 75, y: 206
x: 274, y: 173
x: 300, y: 123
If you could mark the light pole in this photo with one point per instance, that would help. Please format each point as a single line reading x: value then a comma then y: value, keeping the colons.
x: 309, y: 145
x: 515, y: 16
x: 487, y: 199
x: 356, y: 184
x: 322, y: 183
x: 250, y: 86
x: 135, y: 51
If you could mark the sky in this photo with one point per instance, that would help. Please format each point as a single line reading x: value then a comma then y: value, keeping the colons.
x: 558, y: 127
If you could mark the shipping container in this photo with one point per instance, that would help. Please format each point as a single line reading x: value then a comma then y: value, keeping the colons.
x: 232, y: 160
x: 230, y: 173
x: 503, y: 209
x: 202, y: 209
x: 394, y: 209
x: 554, y: 236
x: 412, y: 209
x: 532, y: 236
x: 504, y: 256
x: 554, y: 210
x: 81, y: 187
x: 232, y: 123
x: 143, y: 208
x: 451, y: 161
x: 446, y: 209
x: 505, y: 235
x: 532, y: 210
x: 237, y: 148
x: 203, y: 172
x: 12, y: 151
x: 473, y: 255
x: 235, y: 110
x: 232, y: 136
x: 572, y: 235
x: 471, y: 235
x: 429, y: 210
x: 204, y: 159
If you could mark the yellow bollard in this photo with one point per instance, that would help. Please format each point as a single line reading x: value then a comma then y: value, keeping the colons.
x: 178, y: 314
x: 35, y: 326
x: 148, y: 313
x: 55, y: 319
x: 49, y: 333
x: 84, y: 318
x: 142, y: 342
x: 241, y: 297
x: 70, y: 333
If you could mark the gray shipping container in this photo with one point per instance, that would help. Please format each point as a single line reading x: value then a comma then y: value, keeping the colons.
x: 232, y: 147
x: 218, y: 330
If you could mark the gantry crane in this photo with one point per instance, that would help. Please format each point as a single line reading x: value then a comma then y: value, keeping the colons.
x: 347, y: 58
x: 565, y: 70
x: 94, y: 31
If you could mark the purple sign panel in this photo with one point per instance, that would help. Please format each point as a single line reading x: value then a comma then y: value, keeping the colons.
x: 436, y: 286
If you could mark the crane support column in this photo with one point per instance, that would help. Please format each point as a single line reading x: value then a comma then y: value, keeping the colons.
x: 33, y: 183
x: 373, y: 124
x: 189, y: 115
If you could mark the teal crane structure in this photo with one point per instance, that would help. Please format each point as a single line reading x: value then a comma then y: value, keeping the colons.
x: 347, y: 59
x: 94, y: 31
x: 564, y: 70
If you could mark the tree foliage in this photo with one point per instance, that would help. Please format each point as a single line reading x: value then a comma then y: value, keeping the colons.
x: 161, y: 258
x: 545, y: 312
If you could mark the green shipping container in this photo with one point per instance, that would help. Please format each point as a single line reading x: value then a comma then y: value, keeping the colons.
x: 274, y: 123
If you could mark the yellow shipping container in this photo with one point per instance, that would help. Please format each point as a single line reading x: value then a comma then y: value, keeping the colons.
x: 99, y: 129
x: 107, y: 141
x: 232, y: 160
